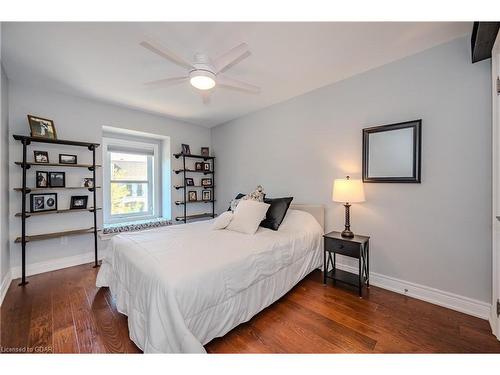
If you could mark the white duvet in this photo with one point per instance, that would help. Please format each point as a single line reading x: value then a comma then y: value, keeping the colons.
x: 183, y: 285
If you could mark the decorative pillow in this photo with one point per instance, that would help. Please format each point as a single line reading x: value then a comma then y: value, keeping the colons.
x: 257, y: 195
x: 276, y: 212
x: 235, y: 202
x: 222, y: 220
x: 247, y: 216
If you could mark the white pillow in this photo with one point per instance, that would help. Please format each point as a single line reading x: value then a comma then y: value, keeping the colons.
x: 222, y: 220
x: 247, y: 216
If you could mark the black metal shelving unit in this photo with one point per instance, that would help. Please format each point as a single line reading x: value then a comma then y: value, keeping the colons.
x: 24, y: 214
x: 185, y: 171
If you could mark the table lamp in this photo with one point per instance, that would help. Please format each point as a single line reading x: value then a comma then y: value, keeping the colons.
x: 347, y: 191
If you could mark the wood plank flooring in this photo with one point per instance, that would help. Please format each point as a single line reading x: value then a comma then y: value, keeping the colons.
x: 63, y: 312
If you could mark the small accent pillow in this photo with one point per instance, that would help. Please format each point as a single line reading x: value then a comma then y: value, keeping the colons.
x: 247, y: 216
x: 256, y: 195
x: 222, y: 220
x: 276, y: 212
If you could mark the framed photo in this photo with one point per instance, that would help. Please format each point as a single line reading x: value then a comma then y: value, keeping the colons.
x: 67, y: 159
x: 42, y: 127
x: 185, y: 149
x: 205, y: 182
x: 57, y: 179
x: 78, y: 202
x: 42, y: 179
x: 192, y: 196
x: 88, y: 182
x: 205, y: 151
x: 189, y: 181
x: 198, y: 166
x: 206, y: 195
x: 43, y: 202
x: 41, y: 156
x: 206, y: 167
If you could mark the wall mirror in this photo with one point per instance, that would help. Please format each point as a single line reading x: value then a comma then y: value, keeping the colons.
x: 391, y: 153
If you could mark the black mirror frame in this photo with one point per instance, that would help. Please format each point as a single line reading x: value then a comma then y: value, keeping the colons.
x: 417, y: 151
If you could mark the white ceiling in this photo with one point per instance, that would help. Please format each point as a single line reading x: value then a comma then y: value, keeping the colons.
x: 104, y: 60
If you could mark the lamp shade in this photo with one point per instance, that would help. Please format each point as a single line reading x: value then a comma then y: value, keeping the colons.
x: 348, y: 190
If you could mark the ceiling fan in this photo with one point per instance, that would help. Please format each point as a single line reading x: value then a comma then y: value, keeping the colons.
x: 204, y: 73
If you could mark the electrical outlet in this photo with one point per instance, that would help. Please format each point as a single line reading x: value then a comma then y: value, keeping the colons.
x: 406, y: 291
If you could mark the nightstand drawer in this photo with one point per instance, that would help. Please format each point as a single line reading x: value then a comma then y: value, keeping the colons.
x: 342, y: 247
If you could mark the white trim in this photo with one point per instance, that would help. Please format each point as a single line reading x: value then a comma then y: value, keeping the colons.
x: 438, y: 297
x: 5, y: 286
x: 54, y: 264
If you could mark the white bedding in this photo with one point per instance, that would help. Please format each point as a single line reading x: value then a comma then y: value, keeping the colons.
x: 183, y: 285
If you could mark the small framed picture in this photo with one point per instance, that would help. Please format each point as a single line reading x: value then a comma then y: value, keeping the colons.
x: 57, y: 179
x: 206, y: 195
x: 189, y: 181
x: 67, y: 159
x: 185, y: 149
x: 41, y: 156
x: 198, y: 166
x: 42, y: 127
x: 43, y: 202
x: 205, y: 151
x: 206, y: 167
x: 206, y: 182
x: 42, y: 179
x: 78, y: 202
x: 88, y: 182
x: 192, y: 196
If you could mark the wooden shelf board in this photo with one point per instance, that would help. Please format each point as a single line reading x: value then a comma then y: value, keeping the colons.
x: 197, y: 201
x: 193, y: 186
x: 55, y: 141
x: 58, y: 164
x: 177, y: 171
x: 45, y: 236
x: 178, y: 155
x: 90, y: 209
x: 56, y: 188
x: 197, y: 216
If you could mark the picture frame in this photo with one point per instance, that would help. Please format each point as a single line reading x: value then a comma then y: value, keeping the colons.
x: 206, y: 195
x: 185, y: 149
x: 206, y: 182
x: 192, y: 196
x: 206, y: 167
x: 41, y: 127
x: 42, y: 179
x: 79, y: 202
x: 205, y: 151
x: 57, y: 179
x: 41, y: 157
x: 67, y: 159
x: 198, y: 166
x: 88, y: 182
x: 189, y: 181
x: 43, y: 202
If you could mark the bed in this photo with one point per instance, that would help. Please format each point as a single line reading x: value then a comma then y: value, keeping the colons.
x: 183, y: 285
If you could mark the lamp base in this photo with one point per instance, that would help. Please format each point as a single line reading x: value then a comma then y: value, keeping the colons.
x: 347, y: 234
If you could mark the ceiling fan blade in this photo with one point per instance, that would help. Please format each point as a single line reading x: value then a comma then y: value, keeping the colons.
x: 205, y: 96
x: 166, y: 54
x: 166, y: 81
x: 238, y: 85
x: 231, y: 58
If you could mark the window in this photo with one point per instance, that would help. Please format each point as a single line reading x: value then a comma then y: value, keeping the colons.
x: 131, y: 179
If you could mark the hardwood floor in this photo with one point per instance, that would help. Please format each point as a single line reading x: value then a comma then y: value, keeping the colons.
x: 63, y: 312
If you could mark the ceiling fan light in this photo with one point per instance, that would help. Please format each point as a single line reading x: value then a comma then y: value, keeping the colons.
x: 202, y: 80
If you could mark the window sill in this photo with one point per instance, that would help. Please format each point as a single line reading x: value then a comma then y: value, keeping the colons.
x: 133, y: 226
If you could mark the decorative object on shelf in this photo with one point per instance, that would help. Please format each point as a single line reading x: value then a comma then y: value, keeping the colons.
x: 347, y: 191
x: 198, y: 166
x: 185, y: 149
x: 67, y: 159
x: 57, y: 179
x: 88, y: 182
x: 206, y: 167
x: 42, y: 127
x: 206, y: 195
x: 392, y: 153
x: 42, y: 179
x: 41, y: 156
x: 206, y: 182
x: 78, y: 202
x: 189, y: 181
x: 192, y: 196
x: 43, y: 202
x: 205, y: 151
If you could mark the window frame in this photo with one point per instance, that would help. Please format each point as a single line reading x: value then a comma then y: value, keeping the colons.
x: 154, y: 185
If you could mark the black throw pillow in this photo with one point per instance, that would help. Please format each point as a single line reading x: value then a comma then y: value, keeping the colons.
x: 239, y: 196
x: 276, y: 212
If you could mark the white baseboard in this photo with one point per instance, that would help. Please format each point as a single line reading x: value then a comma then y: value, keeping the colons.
x: 53, y: 264
x: 438, y: 297
x: 5, y: 286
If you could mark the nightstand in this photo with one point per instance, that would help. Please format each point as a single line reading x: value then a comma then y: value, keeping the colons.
x: 355, y: 247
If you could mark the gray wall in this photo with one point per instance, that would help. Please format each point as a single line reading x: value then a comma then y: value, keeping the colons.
x: 77, y: 119
x: 436, y: 233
